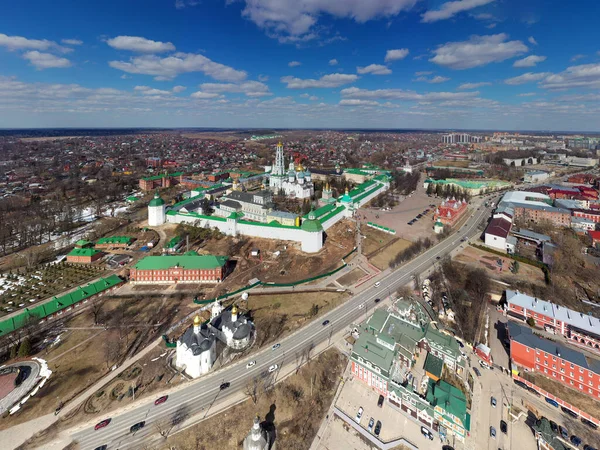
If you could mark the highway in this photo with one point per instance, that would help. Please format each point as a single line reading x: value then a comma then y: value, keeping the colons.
x: 198, y: 395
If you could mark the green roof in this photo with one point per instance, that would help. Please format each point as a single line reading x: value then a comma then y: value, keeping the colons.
x: 156, y: 201
x: 132, y: 199
x: 333, y: 213
x: 322, y: 211
x: 184, y: 261
x: 173, y: 242
x: 377, y: 319
x: 164, y: 175
x: 433, y: 365
x: 471, y: 184
x: 196, y: 215
x: 38, y: 312
x: 82, y: 243
x: 441, y: 339
x: 311, y: 225
x: 367, y: 348
x: 83, y: 252
x: 449, y: 398
x: 115, y: 240
x: 236, y: 215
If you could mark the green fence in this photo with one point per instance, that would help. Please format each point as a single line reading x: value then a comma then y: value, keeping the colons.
x: 228, y: 294
x: 381, y: 228
x: 306, y: 280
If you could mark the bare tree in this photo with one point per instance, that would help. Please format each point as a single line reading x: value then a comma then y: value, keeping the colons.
x: 96, y: 309
x: 253, y: 389
x: 164, y: 426
x: 112, y: 350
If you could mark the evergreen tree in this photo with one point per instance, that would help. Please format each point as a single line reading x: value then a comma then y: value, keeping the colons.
x: 25, y: 348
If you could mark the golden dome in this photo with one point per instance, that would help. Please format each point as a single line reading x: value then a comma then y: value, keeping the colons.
x: 234, y: 310
x: 299, y: 168
x: 327, y: 187
x: 346, y: 190
x: 197, y: 320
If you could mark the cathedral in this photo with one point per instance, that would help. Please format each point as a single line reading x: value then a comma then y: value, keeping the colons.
x: 296, y: 182
x: 258, y: 438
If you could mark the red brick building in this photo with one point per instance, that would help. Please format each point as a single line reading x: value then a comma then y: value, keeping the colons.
x: 558, y: 216
x: 555, y: 361
x: 591, y: 214
x: 595, y: 237
x: 582, y: 178
x: 187, y: 268
x: 161, y: 181
x: 450, y: 211
x: 84, y: 255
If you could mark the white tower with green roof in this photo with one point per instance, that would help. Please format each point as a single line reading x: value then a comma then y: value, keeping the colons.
x: 312, y: 241
x: 156, y: 211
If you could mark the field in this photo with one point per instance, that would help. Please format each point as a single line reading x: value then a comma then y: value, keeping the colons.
x: 383, y: 258
x: 374, y: 239
x: 292, y: 410
x: 351, y: 277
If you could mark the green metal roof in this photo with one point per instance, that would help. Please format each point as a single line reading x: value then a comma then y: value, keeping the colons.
x: 164, y: 175
x: 311, y: 225
x: 82, y: 243
x: 450, y: 399
x: 336, y: 211
x: 441, y: 339
x: 132, y: 198
x: 156, y: 201
x: 377, y: 319
x: 236, y: 215
x: 433, y: 365
x: 322, y: 211
x: 37, y: 313
x: 471, y: 184
x: 196, y: 215
x: 183, y: 261
x: 83, y: 252
x: 173, y: 242
x: 368, y: 349
x: 115, y: 240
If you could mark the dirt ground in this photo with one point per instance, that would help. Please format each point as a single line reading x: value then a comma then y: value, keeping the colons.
x: 288, y: 410
x: 374, y: 240
x: 398, y: 218
x: 475, y: 257
x: 351, y: 277
x: 85, y: 352
x: 382, y: 259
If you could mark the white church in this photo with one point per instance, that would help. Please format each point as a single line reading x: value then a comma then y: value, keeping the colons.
x: 196, y: 350
x: 296, y: 182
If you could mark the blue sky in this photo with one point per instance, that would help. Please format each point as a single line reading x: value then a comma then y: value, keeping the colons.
x: 464, y: 64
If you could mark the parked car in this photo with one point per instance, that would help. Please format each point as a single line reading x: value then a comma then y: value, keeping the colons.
x: 371, y: 423
x: 428, y: 434
x: 569, y: 412
x: 520, y: 383
x: 588, y: 447
x: 493, y: 402
x: 225, y: 385
x: 102, y: 447
x: 589, y: 424
x: 563, y: 432
x: 273, y: 368
x: 554, y: 427
x: 447, y: 447
x: 161, y: 400
x: 477, y: 372
x: 250, y: 364
x: 552, y: 402
x: 276, y: 346
x: 325, y: 322
x: 359, y: 414
x: 378, y: 428
x: 102, y: 424
x: 380, y: 401
x: 503, y: 426
x: 492, y: 432
x: 576, y: 440
x: 137, y: 426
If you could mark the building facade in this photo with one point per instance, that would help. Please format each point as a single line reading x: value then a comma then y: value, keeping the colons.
x: 295, y: 182
x: 114, y: 242
x: 187, y: 268
x: 450, y: 211
x: 161, y: 181
x: 531, y: 213
x: 156, y: 211
x: 196, y: 349
x: 84, y: 255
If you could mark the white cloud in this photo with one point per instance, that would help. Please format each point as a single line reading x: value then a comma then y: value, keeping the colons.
x: 46, y: 60
x: 450, y: 9
x: 178, y: 89
x: 528, y: 77
x: 582, y: 76
x: 125, y: 77
x: 140, y: 44
x: 71, y: 41
x: 529, y: 61
x: 263, y: 78
x: 169, y: 67
x: 477, y: 51
x: 294, y: 21
x: 396, y: 54
x: 433, y: 80
x: 374, y: 69
x: 204, y: 95
x: 294, y: 63
x: 465, y: 86
x: 527, y: 94
x: 333, y: 62
x: 400, y: 94
x: 250, y: 88
x: 357, y: 102
x: 313, y: 98
x: 146, y: 90
x: 422, y: 73
x: 532, y: 40
x: 577, y: 57
x: 181, y: 4
x: 20, y: 43
x: 332, y: 80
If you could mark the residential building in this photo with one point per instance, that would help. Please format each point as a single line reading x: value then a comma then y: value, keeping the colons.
x: 460, y: 138
x: 555, y: 361
x: 582, y: 178
x: 535, y: 176
x: 450, y: 211
x: 559, y: 217
x: 595, y: 237
x: 254, y: 206
x: 590, y: 214
x: 84, y: 255
x: 497, y: 234
x: 161, y: 181
x: 114, y: 242
x: 583, y: 329
x: 187, y: 268
x: 449, y: 406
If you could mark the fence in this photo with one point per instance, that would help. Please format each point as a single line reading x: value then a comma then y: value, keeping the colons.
x: 381, y: 228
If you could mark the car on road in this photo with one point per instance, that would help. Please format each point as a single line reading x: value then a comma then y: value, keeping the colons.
x: 273, y: 368
x: 477, y: 372
x: 552, y: 402
x: 102, y: 424
x: 377, y: 300
x: 569, y: 412
x: 503, y: 426
x: 576, y: 440
x: 554, y: 427
x: 225, y: 385
x: 377, y: 284
x: 161, y: 400
x: 588, y: 447
x: 325, y: 322
x: 250, y: 364
x: 492, y: 432
x: 493, y: 402
x: 563, y: 432
x: 438, y: 257
x: 371, y: 423
x: 361, y: 306
x: 428, y: 434
x: 409, y: 223
x: 137, y: 426
x: 378, y: 428
x: 276, y: 346
x: 102, y: 447
x: 380, y: 401
x: 589, y: 424
x: 359, y: 414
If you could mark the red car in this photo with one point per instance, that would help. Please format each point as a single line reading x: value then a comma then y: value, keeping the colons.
x: 161, y: 400
x: 102, y: 424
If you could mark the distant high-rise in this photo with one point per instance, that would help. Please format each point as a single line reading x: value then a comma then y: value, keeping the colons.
x: 460, y: 138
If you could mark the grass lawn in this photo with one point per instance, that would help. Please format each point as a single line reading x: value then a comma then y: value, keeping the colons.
x: 351, y: 277
x: 382, y: 259
x: 291, y: 409
x: 374, y: 239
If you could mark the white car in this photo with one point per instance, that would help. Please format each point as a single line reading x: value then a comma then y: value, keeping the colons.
x: 250, y: 364
x: 273, y: 368
x: 359, y: 414
x: 377, y: 284
x: 361, y: 306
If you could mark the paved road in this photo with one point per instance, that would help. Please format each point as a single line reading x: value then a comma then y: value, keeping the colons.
x: 197, y: 396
